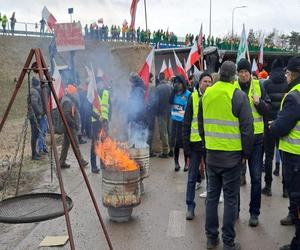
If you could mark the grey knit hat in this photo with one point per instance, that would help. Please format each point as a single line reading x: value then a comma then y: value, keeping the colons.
x: 228, y: 69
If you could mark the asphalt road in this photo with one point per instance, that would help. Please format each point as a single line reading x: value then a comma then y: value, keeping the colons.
x: 158, y: 223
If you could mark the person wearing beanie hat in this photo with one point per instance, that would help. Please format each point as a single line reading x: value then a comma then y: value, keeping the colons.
x: 260, y: 106
x: 286, y: 128
x: 69, y: 107
x: 226, y: 124
x: 276, y: 87
x: 192, y: 143
x: 178, y: 99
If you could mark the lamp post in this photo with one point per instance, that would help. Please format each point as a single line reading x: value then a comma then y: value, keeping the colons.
x: 209, y: 18
x: 232, y: 28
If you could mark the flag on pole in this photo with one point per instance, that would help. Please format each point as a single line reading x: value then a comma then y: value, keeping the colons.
x: 242, y: 47
x: 49, y: 18
x: 171, y: 73
x: 133, y: 8
x: 166, y: 70
x: 146, y: 69
x: 92, y: 94
x: 193, y: 57
x: 261, y: 51
x: 180, y: 70
x: 58, y: 86
x: 200, y: 48
x: 254, y: 67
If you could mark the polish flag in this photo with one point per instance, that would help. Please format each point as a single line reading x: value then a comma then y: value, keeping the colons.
x: 58, y: 86
x: 133, y: 8
x: 102, y: 75
x: 261, y: 52
x: 180, y: 70
x: 171, y: 73
x: 145, y: 71
x: 166, y: 70
x: 193, y: 57
x: 254, y: 67
x: 49, y: 18
x: 92, y: 94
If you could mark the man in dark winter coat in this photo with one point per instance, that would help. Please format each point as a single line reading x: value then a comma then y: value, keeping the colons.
x: 259, y: 102
x: 192, y: 142
x: 287, y: 128
x: 163, y: 91
x: 70, y: 110
x: 137, y: 115
x: 275, y: 87
x: 36, y: 112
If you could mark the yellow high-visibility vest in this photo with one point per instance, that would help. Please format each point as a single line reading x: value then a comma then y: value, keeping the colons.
x: 291, y: 142
x: 258, y: 119
x: 195, y: 136
x: 221, y: 127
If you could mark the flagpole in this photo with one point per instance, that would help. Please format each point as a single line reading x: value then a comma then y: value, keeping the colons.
x: 145, y: 5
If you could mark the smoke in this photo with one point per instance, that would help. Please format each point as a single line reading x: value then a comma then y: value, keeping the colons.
x: 138, y: 136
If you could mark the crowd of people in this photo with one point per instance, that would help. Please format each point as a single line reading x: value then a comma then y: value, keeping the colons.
x: 224, y: 122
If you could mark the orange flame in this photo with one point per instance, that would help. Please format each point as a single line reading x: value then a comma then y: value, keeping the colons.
x: 112, y: 156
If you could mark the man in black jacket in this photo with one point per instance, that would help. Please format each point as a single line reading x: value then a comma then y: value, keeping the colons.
x: 259, y: 102
x: 163, y: 91
x: 226, y: 123
x: 275, y: 87
x: 192, y: 142
x: 287, y: 128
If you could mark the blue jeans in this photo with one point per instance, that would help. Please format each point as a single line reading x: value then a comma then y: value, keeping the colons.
x: 43, y: 124
x: 193, y: 176
x: 255, y: 168
x: 229, y: 180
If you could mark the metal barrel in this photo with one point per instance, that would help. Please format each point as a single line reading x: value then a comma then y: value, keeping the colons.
x: 120, y: 189
x: 142, y: 157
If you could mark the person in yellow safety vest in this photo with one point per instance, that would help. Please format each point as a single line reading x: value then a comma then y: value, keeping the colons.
x: 100, y: 119
x: 287, y: 128
x: 192, y: 142
x: 226, y: 124
x: 259, y: 102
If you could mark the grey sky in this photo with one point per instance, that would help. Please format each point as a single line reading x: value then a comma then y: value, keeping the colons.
x: 180, y: 16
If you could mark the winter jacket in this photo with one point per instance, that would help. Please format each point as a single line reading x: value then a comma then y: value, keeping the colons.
x: 188, y: 117
x: 136, y: 103
x: 276, y: 87
x: 287, y: 119
x: 163, y: 91
x: 242, y: 110
x: 36, y: 110
x: 70, y: 111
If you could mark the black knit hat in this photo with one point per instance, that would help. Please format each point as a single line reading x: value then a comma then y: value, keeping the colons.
x: 294, y: 64
x: 180, y: 79
x: 244, y: 64
x: 277, y: 64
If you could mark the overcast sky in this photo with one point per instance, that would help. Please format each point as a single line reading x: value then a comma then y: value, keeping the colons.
x: 180, y: 16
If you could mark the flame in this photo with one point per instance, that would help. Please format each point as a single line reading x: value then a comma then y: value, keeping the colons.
x: 113, y: 156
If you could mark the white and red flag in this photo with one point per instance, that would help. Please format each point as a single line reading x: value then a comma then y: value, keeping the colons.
x: 103, y: 76
x: 180, y: 70
x: 261, y: 52
x: 171, y: 73
x: 133, y: 8
x: 167, y: 70
x: 254, y: 67
x: 49, y: 18
x: 193, y: 57
x: 144, y: 73
x: 58, y: 86
x: 92, y: 94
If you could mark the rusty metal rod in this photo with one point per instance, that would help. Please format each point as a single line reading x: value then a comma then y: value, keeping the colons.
x: 77, y: 154
x: 59, y: 175
x: 18, y: 85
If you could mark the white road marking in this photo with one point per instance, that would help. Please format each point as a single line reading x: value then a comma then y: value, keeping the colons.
x: 176, y: 226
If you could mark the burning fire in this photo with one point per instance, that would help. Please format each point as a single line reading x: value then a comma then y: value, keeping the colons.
x: 113, y: 156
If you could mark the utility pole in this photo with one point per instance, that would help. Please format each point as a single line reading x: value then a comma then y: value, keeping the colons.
x: 209, y: 18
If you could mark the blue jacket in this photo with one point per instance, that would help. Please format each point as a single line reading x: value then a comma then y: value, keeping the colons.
x: 179, y: 104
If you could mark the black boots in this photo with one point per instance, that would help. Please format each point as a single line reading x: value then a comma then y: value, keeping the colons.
x: 276, y: 171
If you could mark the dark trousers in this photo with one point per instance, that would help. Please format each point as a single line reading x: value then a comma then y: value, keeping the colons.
x: 255, y: 169
x: 66, y: 146
x: 34, y: 136
x: 269, y: 147
x: 193, y: 177
x: 96, y: 127
x: 229, y: 180
x: 291, y: 172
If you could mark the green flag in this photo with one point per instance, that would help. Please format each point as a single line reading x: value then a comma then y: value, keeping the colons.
x: 243, y: 46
